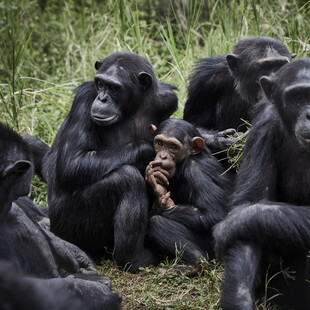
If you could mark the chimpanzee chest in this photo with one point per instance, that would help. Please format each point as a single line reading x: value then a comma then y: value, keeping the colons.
x: 294, y: 179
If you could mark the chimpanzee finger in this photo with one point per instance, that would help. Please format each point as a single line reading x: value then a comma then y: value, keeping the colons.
x: 162, y: 170
x: 149, y: 177
x: 226, y: 132
x: 155, y: 163
x: 161, y: 178
x: 164, y: 199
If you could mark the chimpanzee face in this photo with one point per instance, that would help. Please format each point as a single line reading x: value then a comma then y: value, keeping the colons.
x: 290, y: 92
x: 249, y: 67
x: 296, y: 98
x: 106, y: 110
x: 170, y: 151
x: 120, y: 89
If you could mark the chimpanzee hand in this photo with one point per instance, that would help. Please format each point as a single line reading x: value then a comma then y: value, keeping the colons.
x: 157, y: 177
x: 166, y: 202
x: 219, y: 140
x: 157, y: 174
x: 72, y: 258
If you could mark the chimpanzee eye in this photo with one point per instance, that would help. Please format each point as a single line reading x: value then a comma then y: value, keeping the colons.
x: 99, y: 84
x: 113, y: 88
x: 298, y: 97
x: 173, y: 147
x: 160, y: 143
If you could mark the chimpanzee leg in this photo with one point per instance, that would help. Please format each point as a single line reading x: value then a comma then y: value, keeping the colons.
x: 241, y: 276
x: 169, y: 234
x: 184, y: 214
x: 130, y: 221
x: 109, y: 216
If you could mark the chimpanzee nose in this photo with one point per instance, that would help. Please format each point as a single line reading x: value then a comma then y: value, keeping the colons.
x: 163, y: 155
x: 103, y: 97
x: 305, y: 115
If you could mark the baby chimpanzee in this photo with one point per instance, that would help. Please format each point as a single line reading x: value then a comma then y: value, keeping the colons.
x: 189, y: 189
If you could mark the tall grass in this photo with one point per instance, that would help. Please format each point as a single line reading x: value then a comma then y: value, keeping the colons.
x: 48, y: 47
x: 44, y: 43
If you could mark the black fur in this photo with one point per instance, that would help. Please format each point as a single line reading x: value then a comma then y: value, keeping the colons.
x: 199, y: 192
x: 270, y: 206
x: 36, y: 252
x: 220, y: 96
x: 97, y: 194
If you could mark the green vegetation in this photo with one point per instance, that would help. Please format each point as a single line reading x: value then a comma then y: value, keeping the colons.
x: 48, y: 47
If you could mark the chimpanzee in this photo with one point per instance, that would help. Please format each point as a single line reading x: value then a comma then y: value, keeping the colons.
x: 269, y: 225
x: 166, y: 97
x: 97, y: 195
x: 190, y: 190
x: 18, y: 291
x: 223, y: 88
x: 35, y: 251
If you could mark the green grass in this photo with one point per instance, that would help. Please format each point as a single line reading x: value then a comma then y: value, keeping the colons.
x: 48, y: 47
x: 165, y: 288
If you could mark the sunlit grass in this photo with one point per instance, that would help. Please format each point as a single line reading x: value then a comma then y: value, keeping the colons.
x: 48, y: 48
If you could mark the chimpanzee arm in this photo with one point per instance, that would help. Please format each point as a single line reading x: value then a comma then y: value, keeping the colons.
x: 70, y: 257
x: 264, y: 222
x: 94, y: 165
x: 218, y: 141
x: 207, y: 192
x: 257, y: 176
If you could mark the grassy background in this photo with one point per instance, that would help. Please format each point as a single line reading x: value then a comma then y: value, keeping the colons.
x: 47, y: 47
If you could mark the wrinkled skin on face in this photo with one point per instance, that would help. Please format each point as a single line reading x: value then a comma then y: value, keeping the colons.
x: 253, y: 59
x: 169, y: 153
x: 116, y: 97
x: 290, y: 92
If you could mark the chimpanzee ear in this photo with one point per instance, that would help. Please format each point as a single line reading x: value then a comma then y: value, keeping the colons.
x: 198, y: 145
x: 233, y: 62
x: 17, y: 168
x: 98, y: 64
x: 266, y: 83
x: 145, y: 80
x: 152, y: 128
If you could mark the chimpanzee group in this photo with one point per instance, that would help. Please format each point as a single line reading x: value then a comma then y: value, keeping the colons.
x: 127, y: 181
x: 34, y: 263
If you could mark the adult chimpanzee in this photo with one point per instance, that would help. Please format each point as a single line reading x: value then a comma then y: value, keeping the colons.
x: 97, y: 195
x: 271, y: 214
x: 223, y: 88
x: 36, y: 251
x: 190, y: 190
x: 165, y: 95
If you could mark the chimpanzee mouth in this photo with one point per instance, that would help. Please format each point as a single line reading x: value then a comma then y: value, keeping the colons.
x: 169, y: 168
x: 304, y: 139
x: 105, y: 121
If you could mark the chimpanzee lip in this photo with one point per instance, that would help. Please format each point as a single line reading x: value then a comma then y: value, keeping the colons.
x: 304, y: 138
x: 104, y: 121
x: 169, y: 168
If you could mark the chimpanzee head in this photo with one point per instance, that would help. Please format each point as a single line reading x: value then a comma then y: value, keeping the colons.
x: 15, y: 166
x: 289, y: 90
x: 175, y: 140
x: 124, y: 81
x: 251, y: 59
